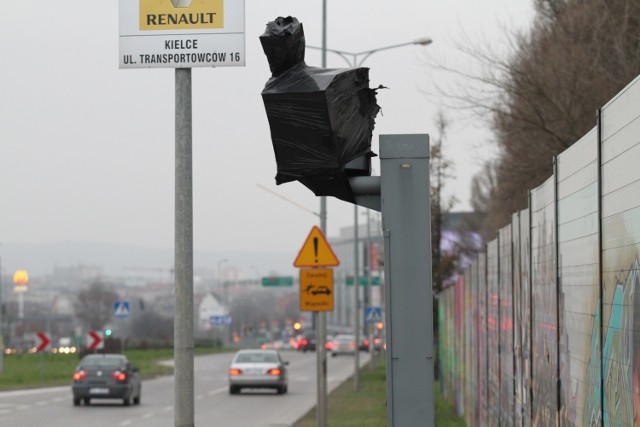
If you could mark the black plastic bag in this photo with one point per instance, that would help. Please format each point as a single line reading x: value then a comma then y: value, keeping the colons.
x: 321, y: 120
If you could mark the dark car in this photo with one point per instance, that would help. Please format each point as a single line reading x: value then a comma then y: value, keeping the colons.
x: 307, y: 342
x: 106, y: 376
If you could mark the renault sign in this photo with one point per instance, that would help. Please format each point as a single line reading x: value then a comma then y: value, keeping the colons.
x: 181, y: 33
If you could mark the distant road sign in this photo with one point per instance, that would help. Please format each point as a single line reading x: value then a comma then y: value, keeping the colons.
x: 220, y: 320
x: 95, y: 340
x: 121, y: 309
x: 316, y: 289
x: 375, y: 281
x: 373, y: 314
x: 45, y: 340
x: 277, y: 281
x: 316, y: 252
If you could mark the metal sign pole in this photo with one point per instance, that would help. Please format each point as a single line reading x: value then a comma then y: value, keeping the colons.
x: 321, y: 316
x: 183, y: 330
x: 356, y: 303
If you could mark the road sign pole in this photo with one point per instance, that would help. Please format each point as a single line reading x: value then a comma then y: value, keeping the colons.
x: 356, y: 303
x: 370, y: 326
x: 183, y: 330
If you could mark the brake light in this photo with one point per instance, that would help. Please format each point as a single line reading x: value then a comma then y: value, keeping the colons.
x: 376, y: 340
x: 352, y: 345
x: 79, y: 375
x: 263, y: 346
x: 303, y: 342
x: 330, y: 344
x: 275, y: 372
x: 234, y: 372
x: 119, y: 375
x: 366, y: 342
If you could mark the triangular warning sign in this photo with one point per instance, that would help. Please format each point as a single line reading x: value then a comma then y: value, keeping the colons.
x: 316, y: 252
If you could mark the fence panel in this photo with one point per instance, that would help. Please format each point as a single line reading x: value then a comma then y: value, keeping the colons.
x: 507, y: 392
x: 620, y: 130
x: 525, y: 304
x: 483, y: 386
x: 579, y: 287
x: 493, y: 335
x: 544, y: 306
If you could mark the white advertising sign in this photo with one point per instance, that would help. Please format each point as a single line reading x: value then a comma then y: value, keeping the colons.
x: 181, y: 33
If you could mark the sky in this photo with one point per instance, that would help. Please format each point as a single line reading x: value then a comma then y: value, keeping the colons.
x: 87, y: 149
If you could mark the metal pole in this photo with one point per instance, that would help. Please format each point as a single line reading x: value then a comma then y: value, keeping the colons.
x: 372, y: 363
x: 183, y: 330
x: 320, y: 317
x: 356, y: 302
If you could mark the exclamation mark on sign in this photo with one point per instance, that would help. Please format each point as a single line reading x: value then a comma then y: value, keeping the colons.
x: 315, y: 247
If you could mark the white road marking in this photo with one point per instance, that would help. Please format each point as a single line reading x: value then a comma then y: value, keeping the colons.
x: 5, y: 411
x: 23, y: 407
x: 217, y: 391
x: 125, y: 422
x: 167, y: 408
x: 42, y: 403
x: 148, y: 415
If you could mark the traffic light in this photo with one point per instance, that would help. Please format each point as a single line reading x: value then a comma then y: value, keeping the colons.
x: 379, y: 325
x: 107, y: 332
x: 297, y: 326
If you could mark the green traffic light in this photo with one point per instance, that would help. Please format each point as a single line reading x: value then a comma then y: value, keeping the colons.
x: 107, y: 332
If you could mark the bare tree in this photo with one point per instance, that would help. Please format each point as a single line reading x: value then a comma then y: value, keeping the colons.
x: 542, y: 97
x: 94, y: 306
x: 441, y: 171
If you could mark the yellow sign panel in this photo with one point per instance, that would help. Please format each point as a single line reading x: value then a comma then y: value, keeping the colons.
x: 316, y: 252
x: 316, y: 289
x: 181, y: 14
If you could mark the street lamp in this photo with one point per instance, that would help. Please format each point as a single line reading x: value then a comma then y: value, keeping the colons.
x: 352, y: 57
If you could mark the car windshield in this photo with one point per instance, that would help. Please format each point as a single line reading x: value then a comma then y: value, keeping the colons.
x: 257, y: 358
x: 102, y: 362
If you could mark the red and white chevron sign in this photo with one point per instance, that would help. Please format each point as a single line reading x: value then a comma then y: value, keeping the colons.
x: 95, y: 340
x: 44, y: 341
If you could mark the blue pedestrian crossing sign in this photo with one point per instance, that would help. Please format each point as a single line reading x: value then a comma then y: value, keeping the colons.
x: 373, y: 314
x: 121, y: 309
x: 220, y: 320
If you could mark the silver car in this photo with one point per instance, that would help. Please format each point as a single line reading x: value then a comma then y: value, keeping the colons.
x: 258, y: 369
x: 343, y: 344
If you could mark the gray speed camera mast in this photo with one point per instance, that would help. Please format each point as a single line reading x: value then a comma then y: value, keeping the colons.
x: 401, y: 193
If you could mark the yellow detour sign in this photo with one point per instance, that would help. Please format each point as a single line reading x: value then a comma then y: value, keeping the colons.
x: 316, y: 289
x: 316, y: 252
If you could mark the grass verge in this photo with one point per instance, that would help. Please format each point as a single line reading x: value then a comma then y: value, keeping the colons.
x: 367, y: 407
x: 47, y: 369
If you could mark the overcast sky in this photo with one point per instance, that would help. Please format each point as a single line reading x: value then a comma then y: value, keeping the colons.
x: 87, y: 150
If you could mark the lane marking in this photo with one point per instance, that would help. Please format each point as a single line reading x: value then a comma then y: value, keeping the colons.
x: 217, y: 391
x: 148, y: 415
x: 5, y: 411
x: 167, y: 408
x: 126, y: 422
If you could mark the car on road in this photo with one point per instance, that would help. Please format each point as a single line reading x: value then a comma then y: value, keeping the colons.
x: 343, y: 344
x: 307, y: 342
x: 106, y: 376
x: 258, y: 369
